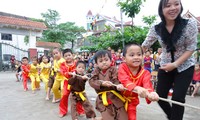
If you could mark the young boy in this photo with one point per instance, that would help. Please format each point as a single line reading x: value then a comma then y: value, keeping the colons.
x: 109, y: 102
x: 68, y: 66
x: 136, y: 78
x: 25, y: 72
x: 78, y: 94
x: 34, y: 74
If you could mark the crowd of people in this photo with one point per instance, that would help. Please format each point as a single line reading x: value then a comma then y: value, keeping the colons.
x: 120, y: 77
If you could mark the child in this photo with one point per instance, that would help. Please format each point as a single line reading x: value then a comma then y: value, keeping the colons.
x: 78, y: 95
x: 90, y: 68
x: 59, y: 78
x: 68, y: 66
x: 45, y: 66
x: 25, y: 72
x: 52, y: 75
x: 147, y: 61
x: 109, y: 102
x: 18, y: 70
x: 34, y: 74
x: 134, y: 77
x: 196, y: 79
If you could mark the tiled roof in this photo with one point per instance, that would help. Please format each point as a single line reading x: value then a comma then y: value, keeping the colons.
x: 47, y: 44
x: 89, y: 13
x: 5, y: 20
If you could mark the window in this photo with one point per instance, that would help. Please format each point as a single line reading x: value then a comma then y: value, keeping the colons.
x: 6, y: 36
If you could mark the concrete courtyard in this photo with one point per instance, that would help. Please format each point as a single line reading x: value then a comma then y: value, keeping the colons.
x: 15, y: 104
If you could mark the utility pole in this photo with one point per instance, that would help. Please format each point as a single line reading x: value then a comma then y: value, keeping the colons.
x: 122, y: 27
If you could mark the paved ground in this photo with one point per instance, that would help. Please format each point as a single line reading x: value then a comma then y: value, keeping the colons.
x: 15, y: 104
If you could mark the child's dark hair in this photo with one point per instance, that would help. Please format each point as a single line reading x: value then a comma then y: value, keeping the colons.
x: 56, y: 48
x: 81, y: 62
x: 26, y: 58
x: 67, y: 50
x: 101, y: 53
x: 46, y: 57
x: 35, y: 58
x: 129, y: 45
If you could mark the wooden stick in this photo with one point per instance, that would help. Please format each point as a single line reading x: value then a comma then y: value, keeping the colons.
x: 167, y: 100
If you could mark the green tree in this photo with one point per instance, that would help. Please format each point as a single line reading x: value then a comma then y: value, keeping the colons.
x: 131, y: 7
x: 149, y: 20
x: 51, y: 18
x: 70, y: 31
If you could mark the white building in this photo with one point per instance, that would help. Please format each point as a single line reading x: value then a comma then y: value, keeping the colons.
x: 13, y: 30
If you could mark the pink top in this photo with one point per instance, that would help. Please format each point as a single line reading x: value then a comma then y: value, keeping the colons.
x: 196, y: 75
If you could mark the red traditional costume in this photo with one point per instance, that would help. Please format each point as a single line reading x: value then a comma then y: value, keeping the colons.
x: 63, y: 107
x: 130, y: 81
x: 25, y: 75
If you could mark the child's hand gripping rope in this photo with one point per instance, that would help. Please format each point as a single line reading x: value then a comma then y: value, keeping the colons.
x: 152, y: 97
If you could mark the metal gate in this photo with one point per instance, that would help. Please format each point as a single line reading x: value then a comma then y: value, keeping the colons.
x: 6, y: 50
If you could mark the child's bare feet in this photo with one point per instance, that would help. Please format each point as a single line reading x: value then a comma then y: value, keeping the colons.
x: 25, y: 90
x: 55, y: 101
x: 33, y: 91
x: 47, y: 98
x: 61, y: 115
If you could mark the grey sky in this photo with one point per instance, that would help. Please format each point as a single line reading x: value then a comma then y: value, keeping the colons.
x: 76, y: 10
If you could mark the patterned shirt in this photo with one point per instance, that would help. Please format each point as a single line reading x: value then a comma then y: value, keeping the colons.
x: 187, y: 42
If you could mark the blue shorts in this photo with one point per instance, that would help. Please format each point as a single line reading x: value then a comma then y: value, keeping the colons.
x: 194, y: 81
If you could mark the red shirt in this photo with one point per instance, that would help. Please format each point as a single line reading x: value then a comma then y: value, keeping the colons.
x: 65, y: 68
x: 25, y: 70
x: 130, y: 81
x: 196, y: 75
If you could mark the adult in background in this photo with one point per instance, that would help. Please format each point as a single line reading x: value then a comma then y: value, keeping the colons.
x: 12, y: 61
x: 178, y: 39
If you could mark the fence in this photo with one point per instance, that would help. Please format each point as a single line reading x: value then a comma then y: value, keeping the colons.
x: 6, y: 50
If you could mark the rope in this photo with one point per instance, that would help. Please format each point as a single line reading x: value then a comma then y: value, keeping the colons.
x: 160, y: 98
x: 168, y: 100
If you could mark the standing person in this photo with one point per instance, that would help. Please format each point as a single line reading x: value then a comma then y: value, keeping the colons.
x: 18, y: 70
x: 147, y: 61
x: 34, y: 74
x: 52, y: 76
x: 68, y: 66
x: 59, y: 78
x: 45, y: 68
x: 12, y: 61
x: 134, y: 77
x: 196, y: 79
x: 109, y: 102
x: 157, y: 59
x: 78, y: 92
x: 25, y: 72
x: 178, y: 39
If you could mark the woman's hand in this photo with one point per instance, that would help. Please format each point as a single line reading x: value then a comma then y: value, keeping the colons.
x: 168, y: 67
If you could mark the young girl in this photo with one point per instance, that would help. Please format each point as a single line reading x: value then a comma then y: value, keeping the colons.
x: 147, y: 61
x: 109, y: 102
x: 34, y: 74
x: 78, y: 92
x: 59, y: 78
x: 45, y: 67
x: 136, y: 78
x: 196, y: 79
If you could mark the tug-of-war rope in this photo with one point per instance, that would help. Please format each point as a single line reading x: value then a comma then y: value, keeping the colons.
x: 160, y: 98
